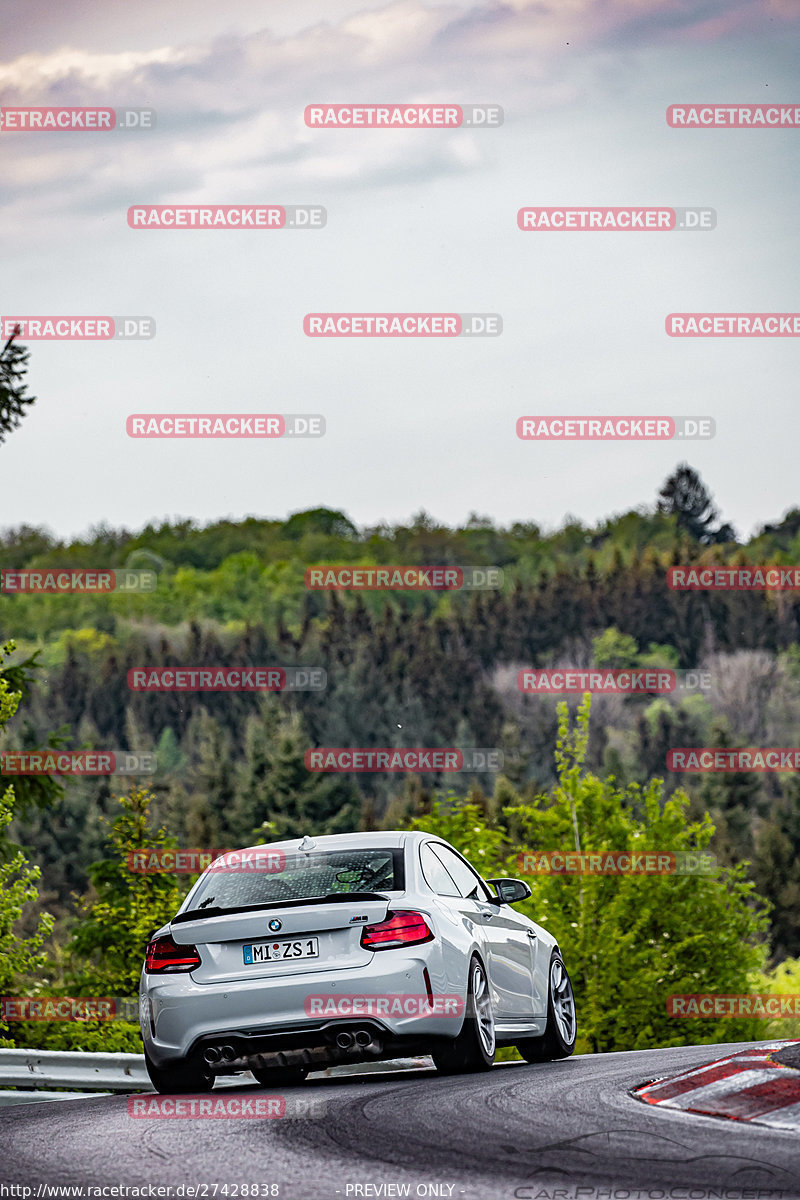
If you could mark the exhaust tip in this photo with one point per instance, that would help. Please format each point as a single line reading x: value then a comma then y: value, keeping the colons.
x: 227, y: 1053
x: 363, y: 1038
x: 211, y: 1055
x: 344, y: 1040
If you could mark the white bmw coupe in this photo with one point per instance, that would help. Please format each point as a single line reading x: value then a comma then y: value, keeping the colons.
x: 295, y: 956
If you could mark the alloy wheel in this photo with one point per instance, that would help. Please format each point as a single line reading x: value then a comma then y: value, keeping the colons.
x: 563, y: 1001
x: 484, y: 1015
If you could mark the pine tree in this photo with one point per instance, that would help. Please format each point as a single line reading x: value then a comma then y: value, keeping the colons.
x: 277, y: 795
x: 13, y: 401
x: 685, y: 496
x: 734, y: 800
x: 776, y: 871
x: 123, y: 907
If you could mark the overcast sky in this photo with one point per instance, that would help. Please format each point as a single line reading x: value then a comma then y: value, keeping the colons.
x: 418, y: 220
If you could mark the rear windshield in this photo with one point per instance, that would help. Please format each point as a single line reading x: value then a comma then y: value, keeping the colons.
x: 303, y: 877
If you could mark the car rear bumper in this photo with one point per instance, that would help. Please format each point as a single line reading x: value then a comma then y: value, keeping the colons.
x: 314, y: 1048
x: 269, y: 1017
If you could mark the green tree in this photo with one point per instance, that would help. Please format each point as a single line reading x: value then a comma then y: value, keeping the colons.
x: 685, y: 496
x: 782, y: 980
x: 210, y: 784
x: 13, y: 401
x: 279, y: 797
x: 104, y: 955
x: 123, y: 906
x: 30, y: 791
x: 18, y: 879
x: 615, y: 649
x: 629, y: 941
x: 735, y: 800
x: 327, y: 521
x: 776, y: 871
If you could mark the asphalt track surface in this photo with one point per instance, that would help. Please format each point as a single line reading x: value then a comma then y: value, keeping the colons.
x: 519, y: 1131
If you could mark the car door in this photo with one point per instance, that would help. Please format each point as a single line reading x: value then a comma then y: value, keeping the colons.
x: 509, y: 938
x: 458, y: 912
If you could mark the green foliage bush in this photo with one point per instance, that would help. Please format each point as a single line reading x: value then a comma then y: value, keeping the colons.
x: 629, y: 941
x: 18, y: 880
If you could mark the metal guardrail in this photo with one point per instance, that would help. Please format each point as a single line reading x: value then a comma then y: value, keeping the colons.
x: 74, y: 1069
x: 10, y: 1098
x: 80, y: 1072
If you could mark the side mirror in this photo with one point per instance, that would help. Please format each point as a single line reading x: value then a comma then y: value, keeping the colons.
x: 510, y: 891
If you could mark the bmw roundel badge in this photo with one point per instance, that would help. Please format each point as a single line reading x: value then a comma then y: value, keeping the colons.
x: 275, y: 926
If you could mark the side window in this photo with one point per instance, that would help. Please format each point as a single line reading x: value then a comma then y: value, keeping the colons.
x: 469, y: 883
x: 435, y: 875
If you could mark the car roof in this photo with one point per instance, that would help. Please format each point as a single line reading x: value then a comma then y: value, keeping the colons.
x: 380, y: 839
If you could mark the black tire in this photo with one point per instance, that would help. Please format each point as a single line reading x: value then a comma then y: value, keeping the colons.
x: 279, y: 1076
x: 558, y: 1039
x: 185, y: 1076
x: 473, y: 1049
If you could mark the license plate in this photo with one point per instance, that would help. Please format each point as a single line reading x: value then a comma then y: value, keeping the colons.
x: 261, y: 952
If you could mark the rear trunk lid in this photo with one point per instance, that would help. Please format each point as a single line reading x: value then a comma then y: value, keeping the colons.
x: 282, y: 939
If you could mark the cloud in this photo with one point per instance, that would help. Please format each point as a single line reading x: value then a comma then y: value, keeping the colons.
x: 231, y: 106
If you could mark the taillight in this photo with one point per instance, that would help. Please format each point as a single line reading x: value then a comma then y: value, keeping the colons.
x: 164, y: 955
x: 399, y: 929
